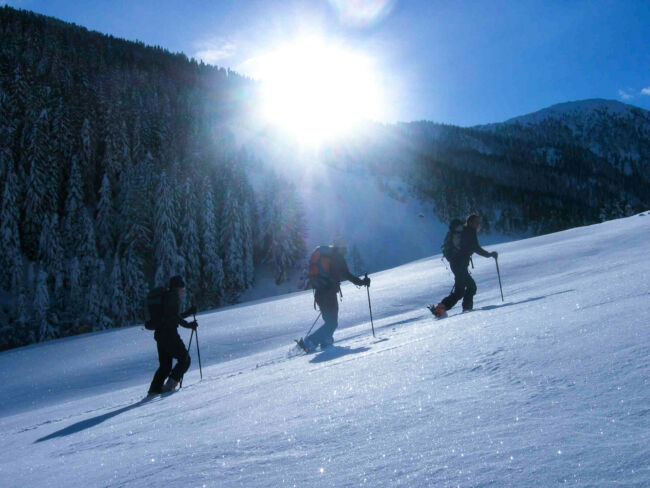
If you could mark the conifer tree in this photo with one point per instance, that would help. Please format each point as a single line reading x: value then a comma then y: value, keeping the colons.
x: 104, y: 219
x: 22, y: 332
x: 283, y: 229
x: 7, y: 131
x: 117, y: 298
x: 190, y: 243
x: 36, y: 205
x: 232, y: 246
x: 166, y: 248
x: 248, y: 244
x: 211, y: 264
x: 135, y: 287
x: 11, y: 266
x: 42, y: 307
x: 50, y: 252
x: 74, y: 204
x: 74, y: 301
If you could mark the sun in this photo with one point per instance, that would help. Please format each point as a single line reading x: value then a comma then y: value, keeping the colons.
x: 316, y: 90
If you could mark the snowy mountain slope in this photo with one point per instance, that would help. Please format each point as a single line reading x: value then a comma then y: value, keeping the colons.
x: 608, y: 128
x: 548, y: 388
x: 582, y: 109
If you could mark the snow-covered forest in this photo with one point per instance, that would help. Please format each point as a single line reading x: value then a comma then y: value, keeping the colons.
x: 118, y: 171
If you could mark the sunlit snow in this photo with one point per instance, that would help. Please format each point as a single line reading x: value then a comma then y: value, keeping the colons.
x: 547, y: 388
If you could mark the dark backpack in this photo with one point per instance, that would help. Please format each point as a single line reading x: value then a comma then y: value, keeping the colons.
x: 319, y: 272
x: 154, y: 306
x: 451, y: 244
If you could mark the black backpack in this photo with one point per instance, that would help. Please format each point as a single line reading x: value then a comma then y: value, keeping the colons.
x: 153, y: 309
x: 451, y: 244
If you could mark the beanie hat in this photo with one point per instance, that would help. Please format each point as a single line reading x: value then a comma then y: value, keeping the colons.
x: 176, y: 282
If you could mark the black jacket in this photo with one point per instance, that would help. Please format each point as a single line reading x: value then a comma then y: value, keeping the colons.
x: 339, y: 271
x: 172, y: 316
x: 468, y: 246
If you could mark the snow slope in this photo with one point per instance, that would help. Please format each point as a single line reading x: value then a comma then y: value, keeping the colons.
x: 549, y: 387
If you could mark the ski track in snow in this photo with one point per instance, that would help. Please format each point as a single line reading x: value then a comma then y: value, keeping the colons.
x: 548, y: 388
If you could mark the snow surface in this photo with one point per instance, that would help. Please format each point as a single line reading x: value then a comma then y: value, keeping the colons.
x: 547, y: 388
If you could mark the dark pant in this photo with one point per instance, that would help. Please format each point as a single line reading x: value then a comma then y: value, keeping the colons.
x: 464, y: 287
x: 329, y: 306
x: 170, y: 346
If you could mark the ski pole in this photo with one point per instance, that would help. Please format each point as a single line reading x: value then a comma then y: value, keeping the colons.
x: 370, y: 308
x: 312, y: 325
x: 198, y: 351
x: 496, y: 260
x: 189, y: 344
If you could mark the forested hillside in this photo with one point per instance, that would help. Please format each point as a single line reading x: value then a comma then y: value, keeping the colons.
x: 536, y: 174
x: 117, y: 171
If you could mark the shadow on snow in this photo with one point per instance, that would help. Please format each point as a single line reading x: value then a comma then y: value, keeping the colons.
x: 534, y: 299
x: 334, y: 352
x: 91, y: 422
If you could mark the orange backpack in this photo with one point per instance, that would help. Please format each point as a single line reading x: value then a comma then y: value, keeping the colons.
x: 319, y: 274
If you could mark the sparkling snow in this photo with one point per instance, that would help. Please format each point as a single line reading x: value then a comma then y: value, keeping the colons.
x: 548, y: 388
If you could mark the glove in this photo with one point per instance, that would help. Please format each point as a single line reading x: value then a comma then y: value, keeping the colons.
x: 193, y: 325
x: 495, y: 255
x: 366, y: 281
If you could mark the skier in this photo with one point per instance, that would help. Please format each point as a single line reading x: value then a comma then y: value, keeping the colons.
x: 325, y: 290
x: 464, y: 284
x: 169, y: 343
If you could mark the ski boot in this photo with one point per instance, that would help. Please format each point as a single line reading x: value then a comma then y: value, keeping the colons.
x: 439, y: 311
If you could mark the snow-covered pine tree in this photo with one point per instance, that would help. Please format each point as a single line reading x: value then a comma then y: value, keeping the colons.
x: 249, y: 244
x: 166, y: 248
x: 11, y: 261
x: 74, y: 203
x: 135, y: 286
x: 74, y: 301
x: 232, y: 246
x: 22, y: 330
x: 134, y: 207
x: 104, y: 219
x: 112, y: 160
x: 85, y: 156
x: 50, y: 257
x: 35, y: 204
x: 212, y: 272
x: 283, y: 229
x: 116, y: 294
x: 91, y: 273
x: 41, y: 307
x: 7, y: 131
x: 190, y: 243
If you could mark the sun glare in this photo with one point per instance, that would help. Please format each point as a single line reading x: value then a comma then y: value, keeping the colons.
x: 315, y: 90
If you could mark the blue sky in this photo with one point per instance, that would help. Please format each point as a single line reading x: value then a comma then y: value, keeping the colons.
x: 458, y: 62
